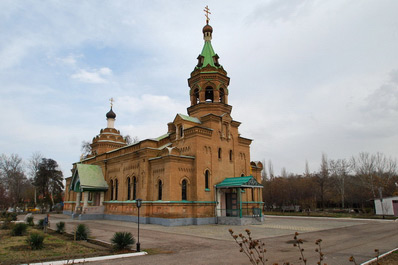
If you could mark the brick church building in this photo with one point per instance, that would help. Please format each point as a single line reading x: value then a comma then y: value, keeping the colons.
x: 199, y: 172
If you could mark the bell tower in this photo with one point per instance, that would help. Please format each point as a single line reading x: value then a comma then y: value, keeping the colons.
x: 209, y: 81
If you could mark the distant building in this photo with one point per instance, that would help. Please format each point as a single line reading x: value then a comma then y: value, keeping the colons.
x: 199, y: 172
x: 387, y: 206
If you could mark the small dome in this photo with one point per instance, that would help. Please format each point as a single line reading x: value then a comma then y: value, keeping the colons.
x: 111, y: 114
x: 207, y: 28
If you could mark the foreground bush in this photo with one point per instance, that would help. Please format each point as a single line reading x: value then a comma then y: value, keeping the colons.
x: 29, y: 221
x: 82, y: 232
x: 60, y: 227
x: 40, y: 224
x: 122, y: 240
x: 6, y: 223
x: 35, y: 241
x: 19, y: 229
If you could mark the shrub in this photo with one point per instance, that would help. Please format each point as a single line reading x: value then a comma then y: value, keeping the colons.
x: 35, y: 241
x: 60, y: 227
x: 6, y: 223
x: 40, y: 224
x: 19, y: 229
x: 29, y: 221
x: 81, y: 232
x: 122, y: 240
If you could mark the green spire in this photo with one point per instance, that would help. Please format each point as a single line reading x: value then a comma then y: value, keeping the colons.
x: 208, y: 54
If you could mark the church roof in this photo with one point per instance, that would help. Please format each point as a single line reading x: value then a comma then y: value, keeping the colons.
x: 239, y: 182
x: 208, y: 54
x: 189, y: 118
x: 88, y: 177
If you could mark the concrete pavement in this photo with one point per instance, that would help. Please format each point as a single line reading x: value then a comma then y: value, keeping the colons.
x: 212, y: 244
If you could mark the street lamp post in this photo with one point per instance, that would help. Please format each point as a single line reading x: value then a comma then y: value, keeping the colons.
x: 139, y: 202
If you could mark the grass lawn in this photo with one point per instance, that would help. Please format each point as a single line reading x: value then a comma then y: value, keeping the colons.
x: 15, y: 250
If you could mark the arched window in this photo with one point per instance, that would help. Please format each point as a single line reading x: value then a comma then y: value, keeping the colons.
x: 196, y: 95
x: 111, y: 190
x: 219, y: 153
x: 160, y: 190
x: 184, y: 190
x: 242, y: 175
x: 116, y: 188
x: 209, y: 97
x: 207, y: 175
x: 230, y: 155
x: 222, y: 95
x: 134, y: 188
x: 128, y: 189
x: 181, y: 131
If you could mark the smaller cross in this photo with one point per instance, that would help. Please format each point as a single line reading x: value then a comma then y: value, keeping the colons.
x: 111, y: 100
x: 207, y: 11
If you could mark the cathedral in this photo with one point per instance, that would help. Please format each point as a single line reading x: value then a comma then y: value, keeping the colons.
x: 199, y: 172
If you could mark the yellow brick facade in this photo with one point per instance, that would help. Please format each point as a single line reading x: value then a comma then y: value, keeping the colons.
x: 198, y: 151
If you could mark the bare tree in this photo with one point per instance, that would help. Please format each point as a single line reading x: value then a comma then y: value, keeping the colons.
x: 12, y: 173
x: 264, y: 171
x: 307, y: 169
x: 322, y: 178
x: 339, y: 170
x: 270, y: 169
x: 375, y: 171
x: 33, y: 163
x: 284, y: 173
x: 86, y: 148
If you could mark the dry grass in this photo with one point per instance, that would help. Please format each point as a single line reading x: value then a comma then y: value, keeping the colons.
x: 391, y: 259
x: 15, y: 250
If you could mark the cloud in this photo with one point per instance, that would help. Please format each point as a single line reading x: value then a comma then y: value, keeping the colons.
x: 71, y: 59
x: 94, y: 76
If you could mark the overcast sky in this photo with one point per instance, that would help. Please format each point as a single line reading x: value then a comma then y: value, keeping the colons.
x: 307, y: 77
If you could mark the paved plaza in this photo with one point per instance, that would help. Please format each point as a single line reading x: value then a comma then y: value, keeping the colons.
x: 212, y: 244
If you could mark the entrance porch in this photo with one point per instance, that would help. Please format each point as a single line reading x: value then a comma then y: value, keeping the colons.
x: 239, y: 201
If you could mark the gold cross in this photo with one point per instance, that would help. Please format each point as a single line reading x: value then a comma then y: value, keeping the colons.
x: 207, y: 11
x: 111, y: 100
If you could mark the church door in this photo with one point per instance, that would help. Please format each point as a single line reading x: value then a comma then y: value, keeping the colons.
x: 231, y: 204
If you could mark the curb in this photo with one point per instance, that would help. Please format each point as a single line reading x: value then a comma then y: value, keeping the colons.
x: 382, y: 255
x: 333, y: 218
x: 75, y: 261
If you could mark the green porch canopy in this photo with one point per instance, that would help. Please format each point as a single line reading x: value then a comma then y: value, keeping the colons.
x: 239, y: 182
x: 88, y: 178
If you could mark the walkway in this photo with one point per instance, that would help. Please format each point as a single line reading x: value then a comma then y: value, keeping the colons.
x: 212, y: 244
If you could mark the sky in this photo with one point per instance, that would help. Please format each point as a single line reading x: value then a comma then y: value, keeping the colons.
x: 307, y: 77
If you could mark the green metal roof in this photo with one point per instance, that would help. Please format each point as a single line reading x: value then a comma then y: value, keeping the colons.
x: 189, y: 118
x: 88, y: 178
x: 208, y: 53
x: 161, y: 137
x: 239, y: 182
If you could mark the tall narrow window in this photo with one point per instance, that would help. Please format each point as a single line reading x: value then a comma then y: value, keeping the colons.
x: 184, y: 190
x: 128, y: 189
x: 219, y: 153
x: 181, y: 131
x: 134, y: 188
x: 207, y: 179
x: 160, y: 190
x: 230, y: 155
x: 111, y: 190
x: 209, y: 97
x: 116, y: 188
x: 196, y: 95
x: 222, y: 95
x: 252, y: 194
